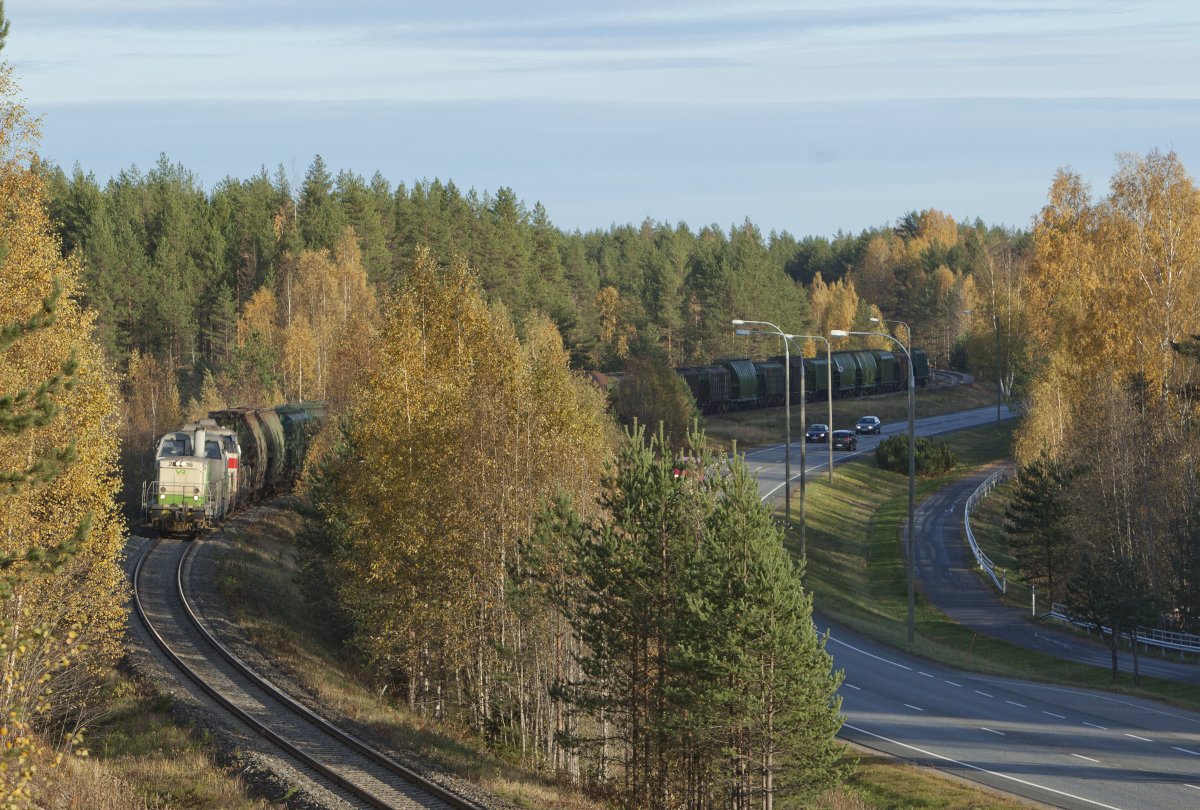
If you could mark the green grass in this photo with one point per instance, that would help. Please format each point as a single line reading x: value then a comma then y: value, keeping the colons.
x: 857, y: 575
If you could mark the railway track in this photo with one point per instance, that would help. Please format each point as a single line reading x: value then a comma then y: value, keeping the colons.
x: 334, y: 759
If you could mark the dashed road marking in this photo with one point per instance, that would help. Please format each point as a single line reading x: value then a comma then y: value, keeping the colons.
x: 1093, y: 725
x: 926, y: 674
x: 1081, y: 756
x: 917, y: 708
x: 1052, y: 714
x: 952, y: 683
x: 1014, y: 703
x: 985, y: 694
x: 852, y: 686
x: 997, y: 774
x: 991, y: 730
x: 1186, y: 751
x: 1136, y: 737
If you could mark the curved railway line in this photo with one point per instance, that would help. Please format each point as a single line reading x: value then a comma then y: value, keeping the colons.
x: 334, y: 759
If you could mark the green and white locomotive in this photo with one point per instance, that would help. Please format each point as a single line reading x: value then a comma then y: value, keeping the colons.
x: 207, y: 469
x: 195, y: 484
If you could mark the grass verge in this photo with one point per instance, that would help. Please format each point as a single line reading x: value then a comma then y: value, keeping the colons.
x: 857, y: 576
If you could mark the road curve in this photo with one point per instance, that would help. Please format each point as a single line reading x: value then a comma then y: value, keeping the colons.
x: 1059, y: 746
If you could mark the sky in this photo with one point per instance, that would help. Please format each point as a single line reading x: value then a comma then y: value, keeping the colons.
x: 806, y: 117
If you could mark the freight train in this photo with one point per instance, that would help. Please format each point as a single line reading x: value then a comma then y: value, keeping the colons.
x: 207, y: 469
x: 740, y: 384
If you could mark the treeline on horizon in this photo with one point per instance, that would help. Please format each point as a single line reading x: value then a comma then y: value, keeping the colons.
x: 170, y: 269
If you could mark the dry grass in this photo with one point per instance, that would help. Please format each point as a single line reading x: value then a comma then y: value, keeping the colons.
x: 257, y: 577
x: 141, y: 759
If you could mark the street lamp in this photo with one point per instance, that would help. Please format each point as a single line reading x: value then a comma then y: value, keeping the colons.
x: 787, y: 413
x: 910, y: 542
x: 829, y: 395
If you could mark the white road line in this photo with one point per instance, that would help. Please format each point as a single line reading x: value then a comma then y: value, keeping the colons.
x: 864, y: 652
x: 1186, y: 751
x: 1014, y: 703
x: 926, y: 674
x: 981, y: 770
x: 952, y: 683
x: 918, y: 708
x: 1081, y: 756
x: 991, y: 730
x: 1136, y: 737
x: 1192, y: 786
x: 1093, y: 725
x: 1052, y: 714
x: 985, y: 694
x: 852, y: 686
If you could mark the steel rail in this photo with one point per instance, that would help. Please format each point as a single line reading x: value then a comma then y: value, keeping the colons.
x: 343, y: 737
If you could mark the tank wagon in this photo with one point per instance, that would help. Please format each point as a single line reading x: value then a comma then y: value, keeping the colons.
x: 205, y: 470
x: 739, y: 384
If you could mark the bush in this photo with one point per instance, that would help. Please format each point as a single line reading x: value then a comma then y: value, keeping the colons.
x: 932, y: 457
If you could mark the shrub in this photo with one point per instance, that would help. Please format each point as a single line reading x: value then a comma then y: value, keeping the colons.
x: 932, y: 457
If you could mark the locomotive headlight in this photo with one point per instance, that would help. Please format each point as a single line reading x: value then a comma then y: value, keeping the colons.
x: 195, y: 497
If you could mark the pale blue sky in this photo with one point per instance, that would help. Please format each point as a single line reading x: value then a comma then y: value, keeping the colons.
x: 803, y: 116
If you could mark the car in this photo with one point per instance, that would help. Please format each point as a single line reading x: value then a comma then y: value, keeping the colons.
x: 817, y: 433
x: 844, y: 440
x: 868, y: 424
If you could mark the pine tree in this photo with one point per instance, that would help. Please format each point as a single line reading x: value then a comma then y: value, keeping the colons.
x: 1037, y: 522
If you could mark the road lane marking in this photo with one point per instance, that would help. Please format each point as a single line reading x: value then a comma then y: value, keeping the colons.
x: 981, y: 770
x: 926, y: 674
x: 1192, y: 786
x: 1093, y: 725
x: 1136, y: 737
x: 1081, y: 756
x: 852, y: 686
x: 991, y: 730
x: 985, y: 694
x: 918, y: 708
x: 1186, y: 751
x: 1014, y: 703
x: 952, y: 683
x: 1052, y: 714
x: 864, y: 652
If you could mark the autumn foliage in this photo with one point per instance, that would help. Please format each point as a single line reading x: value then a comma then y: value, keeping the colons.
x: 62, y: 615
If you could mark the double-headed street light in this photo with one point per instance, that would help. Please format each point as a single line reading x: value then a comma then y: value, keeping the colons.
x: 910, y: 541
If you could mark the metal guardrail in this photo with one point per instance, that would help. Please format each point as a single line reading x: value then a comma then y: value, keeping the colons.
x: 984, y: 561
x: 1164, y: 639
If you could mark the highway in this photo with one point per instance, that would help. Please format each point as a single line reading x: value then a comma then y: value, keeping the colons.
x: 1054, y: 745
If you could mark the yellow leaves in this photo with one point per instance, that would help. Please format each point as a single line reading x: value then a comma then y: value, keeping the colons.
x: 459, y: 431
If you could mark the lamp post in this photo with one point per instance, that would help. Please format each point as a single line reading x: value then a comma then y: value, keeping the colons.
x: 787, y: 414
x: 910, y: 541
x: 829, y: 395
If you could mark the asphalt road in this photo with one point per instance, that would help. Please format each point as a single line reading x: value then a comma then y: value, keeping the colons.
x: 1054, y: 745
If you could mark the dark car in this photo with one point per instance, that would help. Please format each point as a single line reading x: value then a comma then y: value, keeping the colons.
x: 817, y: 433
x: 844, y: 440
x: 868, y: 424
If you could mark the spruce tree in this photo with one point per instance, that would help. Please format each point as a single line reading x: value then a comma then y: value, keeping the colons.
x: 1036, y: 522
